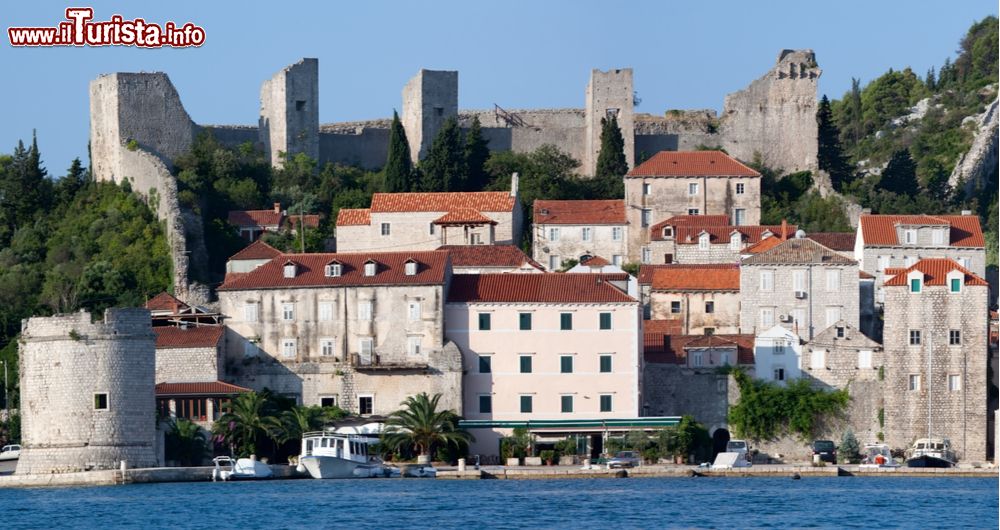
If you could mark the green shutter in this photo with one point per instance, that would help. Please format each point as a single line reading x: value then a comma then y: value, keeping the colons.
x: 567, y: 403
x: 915, y: 285
x: 606, y: 403
x: 605, y: 320
x: 525, y: 319
x: 956, y: 285
x: 485, y: 364
x: 484, y: 321
x: 566, y: 364
x: 566, y: 321
x: 605, y: 364
x: 526, y: 403
x: 525, y: 364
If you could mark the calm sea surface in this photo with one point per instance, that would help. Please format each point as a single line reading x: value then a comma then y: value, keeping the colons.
x: 576, y: 503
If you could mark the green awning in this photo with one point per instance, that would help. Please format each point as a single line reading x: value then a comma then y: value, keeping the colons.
x: 611, y: 423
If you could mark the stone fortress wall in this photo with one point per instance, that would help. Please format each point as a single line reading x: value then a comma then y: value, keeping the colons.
x: 65, y: 361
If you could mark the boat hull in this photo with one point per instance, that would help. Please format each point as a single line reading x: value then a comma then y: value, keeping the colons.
x: 928, y: 461
x: 325, y: 467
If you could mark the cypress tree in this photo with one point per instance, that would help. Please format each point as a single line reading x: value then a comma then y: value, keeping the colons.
x: 476, y: 154
x: 900, y: 174
x: 444, y: 167
x: 830, y: 155
x: 611, y: 159
x: 398, y: 167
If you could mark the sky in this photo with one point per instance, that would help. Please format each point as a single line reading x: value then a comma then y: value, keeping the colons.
x: 515, y: 53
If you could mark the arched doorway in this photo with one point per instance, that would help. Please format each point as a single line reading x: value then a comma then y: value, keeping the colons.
x: 719, y: 440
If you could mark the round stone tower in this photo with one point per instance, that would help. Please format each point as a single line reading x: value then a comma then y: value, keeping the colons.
x: 87, y: 392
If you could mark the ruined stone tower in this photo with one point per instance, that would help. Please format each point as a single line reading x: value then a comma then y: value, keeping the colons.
x: 429, y: 98
x: 609, y: 93
x: 289, y: 111
x: 87, y: 392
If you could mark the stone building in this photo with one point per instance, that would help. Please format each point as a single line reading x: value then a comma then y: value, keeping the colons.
x: 705, y: 298
x: 87, y: 392
x: 570, y: 230
x: 358, y: 330
x: 251, y: 224
x: 893, y: 241
x: 426, y: 221
x: 189, y: 353
x: 708, y: 239
x: 673, y: 183
x: 252, y: 256
x: 800, y: 285
x: 489, y: 259
x: 777, y: 355
x: 936, y: 346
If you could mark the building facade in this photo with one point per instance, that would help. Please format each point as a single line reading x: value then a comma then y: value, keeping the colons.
x: 571, y: 230
x: 705, y: 298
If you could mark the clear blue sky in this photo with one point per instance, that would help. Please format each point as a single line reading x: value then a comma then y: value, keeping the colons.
x: 517, y: 53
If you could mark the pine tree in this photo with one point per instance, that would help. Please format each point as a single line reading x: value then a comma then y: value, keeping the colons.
x: 830, y: 156
x: 611, y: 159
x: 444, y: 167
x: 900, y: 174
x: 398, y: 167
x: 75, y: 179
x: 476, y: 154
x: 24, y: 189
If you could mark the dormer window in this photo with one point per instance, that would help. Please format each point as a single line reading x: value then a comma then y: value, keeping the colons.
x: 334, y: 269
x: 371, y: 267
x: 840, y: 332
x: 290, y: 269
x: 937, y: 236
x: 668, y: 232
x: 735, y: 241
x: 955, y: 281
x: 703, y: 241
x: 909, y: 237
x: 411, y: 267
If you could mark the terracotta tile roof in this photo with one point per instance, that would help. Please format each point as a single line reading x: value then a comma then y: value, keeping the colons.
x: 610, y: 212
x: 667, y: 326
x: 839, y: 241
x: 488, y: 256
x: 311, y: 220
x: 935, y: 273
x: 165, y: 302
x: 717, y: 235
x: 880, y: 230
x: 463, y: 216
x: 596, y: 262
x: 482, y: 201
x: 199, y: 389
x: 700, y: 220
x: 691, y: 164
x: 354, y: 217
x: 648, y: 272
x: 798, y: 251
x: 192, y: 337
x: 763, y: 245
x: 535, y: 288
x: 256, y: 250
x: 673, y: 348
x: 701, y: 277
x: 864, y: 275
x: 255, y: 218
x: 311, y: 270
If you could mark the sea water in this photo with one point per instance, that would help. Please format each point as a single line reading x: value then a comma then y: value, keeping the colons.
x: 901, y: 502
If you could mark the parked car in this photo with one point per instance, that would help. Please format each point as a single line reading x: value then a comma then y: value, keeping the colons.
x: 624, y: 459
x: 10, y: 452
x: 826, y: 449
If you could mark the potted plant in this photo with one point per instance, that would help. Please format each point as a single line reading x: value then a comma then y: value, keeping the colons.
x: 547, y: 456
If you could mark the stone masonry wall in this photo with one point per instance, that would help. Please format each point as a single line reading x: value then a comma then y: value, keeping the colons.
x: 187, y: 365
x: 429, y: 98
x: 673, y: 390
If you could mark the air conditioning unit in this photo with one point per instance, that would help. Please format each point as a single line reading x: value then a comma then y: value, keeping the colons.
x: 800, y: 294
x: 785, y: 318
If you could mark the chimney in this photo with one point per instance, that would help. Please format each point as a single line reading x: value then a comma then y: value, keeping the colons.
x: 784, y: 229
x: 277, y: 207
x: 966, y: 212
x: 866, y: 211
x: 513, y: 184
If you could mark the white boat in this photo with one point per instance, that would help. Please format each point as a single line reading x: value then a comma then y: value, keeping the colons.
x: 329, y: 454
x: 877, y: 456
x: 419, y: 471
x: 931, y: 452
x: 10, y: 452
x: 242, y: 469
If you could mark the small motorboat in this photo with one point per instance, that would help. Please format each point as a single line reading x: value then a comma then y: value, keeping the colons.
x: 332, y: 454
x: 10, y: 452
x: 419, y: 471
x: 877, y: 456
x: 931, y: 452
x: 242, y: 469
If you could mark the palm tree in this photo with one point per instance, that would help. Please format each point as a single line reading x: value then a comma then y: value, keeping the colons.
x: 186, y: 442
x: 247, y: 422
x: 420, y: 425
x: 299, y: 419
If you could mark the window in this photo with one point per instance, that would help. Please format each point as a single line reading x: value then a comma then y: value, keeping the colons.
x: 476, y: 239
x: 956, y: 285
x: 693, y: 211
x: 553, y: 234
x: 709, y: 331
x: 288, y: 312
x: 833, y: 315
x: 799, y: 280
x: 779, y: 374
x: 703, y: 241
x: 289, y: 348
x: 524, y: 321
x: 326, y: 347
x: 586, y: 233
x: 250, y: 349
x: 647, y: 255
x: 766, y: 317
x: 675, y: 306
x: 914, y: 285
x: 617, y: 260
x: 864, y: 358
x: 410, y: 269
x: 366, y: 404
x: 605, y: 320
x: 385, y: 229
x: 605, y: 402
x: 250, y: 311
x: 817, y: 360
x: 565, y: 364
x: 840, y: 332
x: 605, y: 364
x: 799, y: 316
x: 883, y: 262
x: 954, y: 337
x: 832, y: 280
x: 525, y: 364
x: 333, y: 270
x: 485, y: 404
x: 914, y: 337
x: 370, y: 268
x: 526, y: 404
x: 740, y: 188
x: 647, y: 214
x: 739, y: 216
x: 485, y: 364
x: 965, y: 262
x: 914, y: 382
x: 101, y: 401
x: 289, y: 270
x: 365, y: 310
x: 325, y: 311
x: 554, y: 263
x: 366, y: 346
x: 616, y: 233
x: 697, y: 358
x: 908, y: 261
x: 328, y: 401
x: 647, y: 188
x: 910, y: 237
x: 937, y: 237
x: 566, y: 321
x: 710, y: 306
x: 767, y: 281
x: 954, y: 382
x: 413, y: 345
x: 668, y: 232
x: 413, y: 311
x: 735, y: 242
x: 692, y: 188
x: 431, y: 229
x: 779, y: 347
x: 485, y: 321
x: 566, y: 403
x: 300, y: 105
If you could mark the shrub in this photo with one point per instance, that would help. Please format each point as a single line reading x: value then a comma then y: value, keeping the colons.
x: 849, y: 449
x: 548, y: 455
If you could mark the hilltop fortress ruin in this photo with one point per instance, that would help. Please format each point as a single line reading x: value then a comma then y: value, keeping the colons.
x: 138, y: 126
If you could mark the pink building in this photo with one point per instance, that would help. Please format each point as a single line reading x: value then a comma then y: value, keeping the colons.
x: 558, y: 353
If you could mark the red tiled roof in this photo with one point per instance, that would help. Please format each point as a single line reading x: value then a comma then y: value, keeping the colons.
x: 482, y: 201
x: 535, y: 288
x: 935, y: 273
x: 462, y: 216
x: 672, y: 348
x: 198, y: 389
x: 798, y: 251
x: 647, y: 272
x: 311, y: 220
x: 596, y: 262
x: 165, y: 302
x: 702, y: 277
x: 255, y: 218
x: 691, y: 164
x: 488, y: 256
x: 311, y: 270
x: 609, y: 212
x: 763, y: 245
x: 688, y: 235
x: 839, y: 241
x: 864, y: 275
x: 699, y: 220
x: 354, y: 216
x: 256, y: 250
x: 880, y: 230
x: 192, y: 337
x: 667, y: 326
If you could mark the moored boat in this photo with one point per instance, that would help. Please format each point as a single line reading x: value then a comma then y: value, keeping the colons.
x: 226, y: 468
x: 931, y: 452
x: 877, y: 456
x: 329, y: 454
